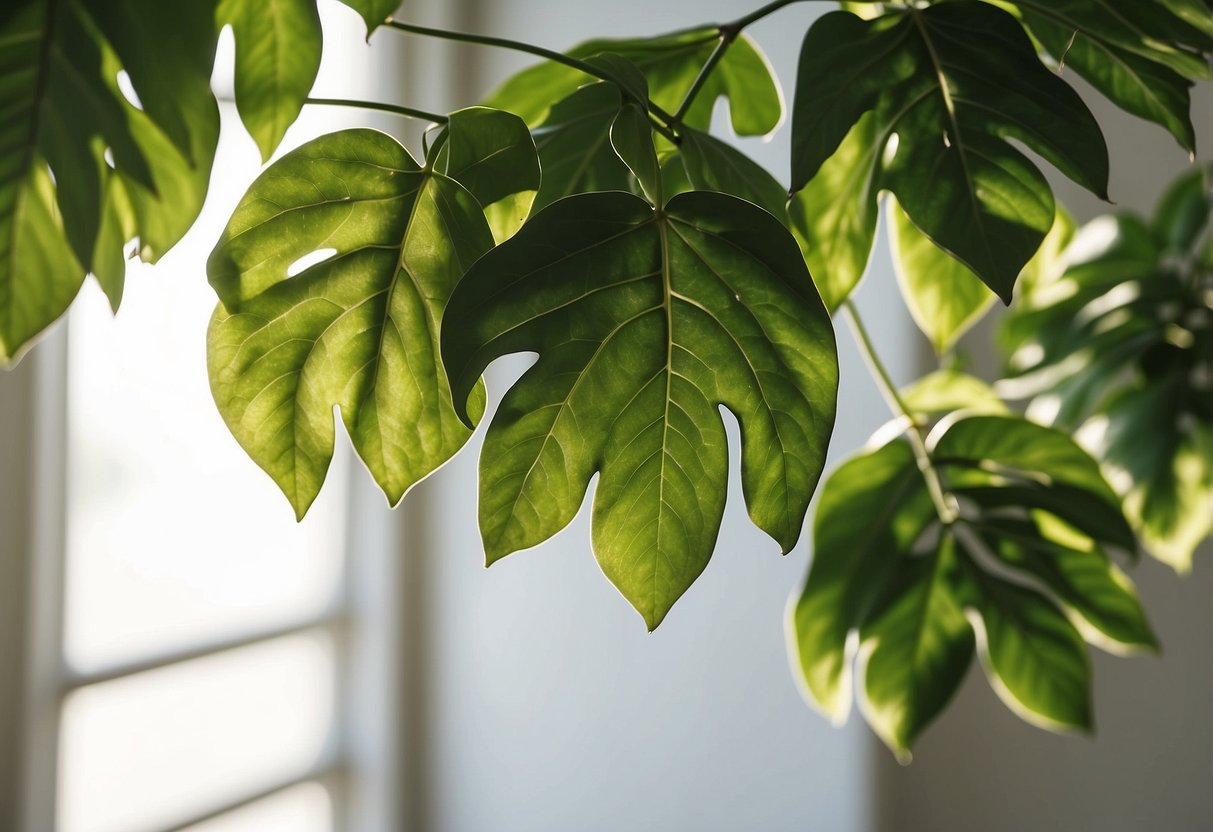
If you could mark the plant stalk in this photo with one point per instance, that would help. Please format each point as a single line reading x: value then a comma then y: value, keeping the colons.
x: 398, y: 109
x: 519, y: 46
x: 945, y: 509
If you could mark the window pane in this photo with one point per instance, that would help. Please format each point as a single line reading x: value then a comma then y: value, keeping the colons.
x: 164, y: 745
x: 174, y: 535
x: 304, y: 808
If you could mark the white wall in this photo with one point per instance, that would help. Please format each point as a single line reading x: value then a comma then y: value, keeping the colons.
x: 546, y: 704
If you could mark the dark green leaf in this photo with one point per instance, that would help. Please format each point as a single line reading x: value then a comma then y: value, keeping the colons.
x: 1137, y: 84
x: 574, y: 146
x: 1101, y: 596
x: 715, y: 165
x: 1184, y: 210
x: 916, y: 649
x: 872, y: 510
x: 491, y: 153
x: 278, y: 47
x: 645, y: 322
x: 1035, y: 659
x: 632, y: 139
x: 952, y: 82
x: 357, y: 330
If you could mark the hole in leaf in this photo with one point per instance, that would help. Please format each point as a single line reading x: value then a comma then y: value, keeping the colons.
x: 128, y: 89
x: 308, y: 260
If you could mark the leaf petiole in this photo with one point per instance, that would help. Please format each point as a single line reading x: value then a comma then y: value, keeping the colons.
x: 398, y: 109
x: 519, y: 46
x: 946, y: 510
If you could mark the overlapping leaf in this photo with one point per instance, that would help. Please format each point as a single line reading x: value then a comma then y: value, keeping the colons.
x: 670, y: 64
x: 912, y: 588
x: 491, y: 153
x: 1121, y: 340
x: 359, y: 329
x: 646, y: 322
x: 945, y: 87
x: 80, y: 167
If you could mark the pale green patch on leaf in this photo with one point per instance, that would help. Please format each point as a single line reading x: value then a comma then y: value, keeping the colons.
x: 943, y: 295
x: 943, y: 391
x: 645, y: 323
x: 357, y: 330
x: 834, y: 215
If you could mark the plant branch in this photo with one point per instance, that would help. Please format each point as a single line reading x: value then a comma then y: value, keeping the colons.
x: 519, y: 46
x: 946, y: 511
x: 728, y: 33
x: 398, y: 109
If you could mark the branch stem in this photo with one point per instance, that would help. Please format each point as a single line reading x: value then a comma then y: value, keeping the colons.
x: 519, y: 46
x: 398, y: 109
x: 943, y: 507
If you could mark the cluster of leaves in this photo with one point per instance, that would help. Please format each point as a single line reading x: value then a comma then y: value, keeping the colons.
x: 110, y: 127
x: 587, y: 214
x: 1117, y: 345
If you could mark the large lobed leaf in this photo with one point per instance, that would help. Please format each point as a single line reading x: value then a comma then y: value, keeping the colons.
x: 921, y: 102
x: 358, y: 330
x: 645, y: 322
x: 915, y: 591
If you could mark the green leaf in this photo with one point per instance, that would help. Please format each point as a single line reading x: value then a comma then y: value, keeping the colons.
x: 574, y: 146
x: 715, y: 165
x: 1022, y: 464
x: 1013, y: 445
x: 374, y: 12
x: 916, y: 649
x: 357, y: 330
x: 943, y: 295
x: 943, y: 391
x: 632, y: 139
x: 1036, y: 661
x: 1137, y: 84
x: 646, y: 322
x: 1105, y: 604
x: 278, y: 46
x: 1161, y: 456
x: 492, y: 154
x: 62, y: 60
x: 953, y: 82
x: 834, y: 215
x: 670, y: 64
x: 872, y: 509
x: 1184, y: 210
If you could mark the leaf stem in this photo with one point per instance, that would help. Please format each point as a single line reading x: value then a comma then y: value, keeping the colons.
x: 945, y: 509
x: 398, y: 109
x: 519, y: 46
x: 728, y: 33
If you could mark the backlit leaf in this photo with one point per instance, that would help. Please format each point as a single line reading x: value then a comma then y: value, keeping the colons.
x: 357, y: 330
x: 645, y: 323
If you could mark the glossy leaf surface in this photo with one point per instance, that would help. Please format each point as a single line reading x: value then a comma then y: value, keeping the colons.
x: 645, y: 323
x: 952, y: 82
x: 359, y: 329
